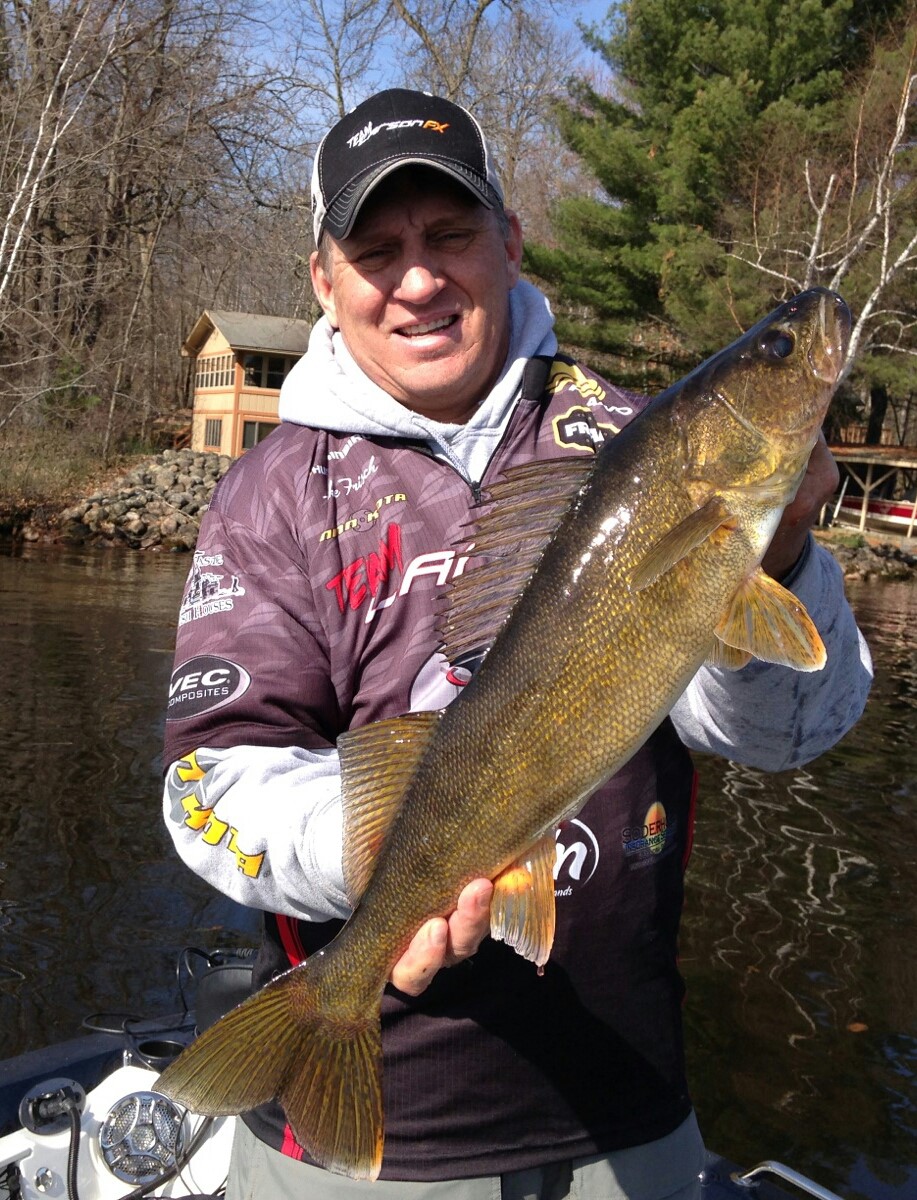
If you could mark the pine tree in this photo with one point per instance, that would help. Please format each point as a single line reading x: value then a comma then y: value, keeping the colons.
x: 639, y: 270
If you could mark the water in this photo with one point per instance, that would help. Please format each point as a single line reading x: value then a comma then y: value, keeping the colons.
x: 93, y: 904
x: 800, y: 935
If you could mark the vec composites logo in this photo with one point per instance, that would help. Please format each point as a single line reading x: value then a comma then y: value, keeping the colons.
x: 204, y: 684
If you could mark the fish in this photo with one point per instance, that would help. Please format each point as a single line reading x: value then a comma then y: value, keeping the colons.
x: 609, y: 580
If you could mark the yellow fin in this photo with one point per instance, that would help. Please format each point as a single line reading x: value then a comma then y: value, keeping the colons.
x: 324, y: 1070
x: 727, y: 657
x: 377, y: 764
x: 772, y: 624
x: 522, y: 908
x: 678, y: 543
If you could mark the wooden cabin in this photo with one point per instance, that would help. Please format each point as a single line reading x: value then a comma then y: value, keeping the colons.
x: 240, y: 361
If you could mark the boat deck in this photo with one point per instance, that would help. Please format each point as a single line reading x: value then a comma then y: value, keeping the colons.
x: 872, y: 468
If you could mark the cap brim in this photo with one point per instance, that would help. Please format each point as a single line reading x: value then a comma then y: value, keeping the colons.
x: 342, y: 212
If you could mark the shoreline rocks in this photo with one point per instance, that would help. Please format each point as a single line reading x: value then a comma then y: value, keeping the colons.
x: 864, y: 559
x: 156, y: 506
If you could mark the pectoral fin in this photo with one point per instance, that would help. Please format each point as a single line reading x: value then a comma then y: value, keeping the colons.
x: 522, y: 908
x: 678, y: 543
x: 770, y: 623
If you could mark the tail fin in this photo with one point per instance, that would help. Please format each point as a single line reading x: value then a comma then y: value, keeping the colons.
x: 324, y: 1070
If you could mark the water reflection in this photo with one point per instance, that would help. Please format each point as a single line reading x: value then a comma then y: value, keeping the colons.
x: 800, y: 942
x: 93, y: 906
x: 800, y: 937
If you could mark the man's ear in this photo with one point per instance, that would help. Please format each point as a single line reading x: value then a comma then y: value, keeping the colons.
x: 321, y: 285
x: 513, y: 244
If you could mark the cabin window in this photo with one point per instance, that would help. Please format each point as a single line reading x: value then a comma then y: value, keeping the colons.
x: 266, y: 370
x: 213, y: 432
x: 254, y: 368
x: 214, y: 371
x: 254, y: 432
x: 276, y: 369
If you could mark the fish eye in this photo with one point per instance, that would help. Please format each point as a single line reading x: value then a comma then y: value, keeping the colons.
x: 777, y: 343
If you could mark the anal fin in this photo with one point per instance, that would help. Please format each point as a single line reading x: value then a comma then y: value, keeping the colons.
x: 768, y: 622
x: 522, y: 908
x: 728, y: 658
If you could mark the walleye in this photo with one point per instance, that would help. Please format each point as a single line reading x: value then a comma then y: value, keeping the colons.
x: 621, y: 573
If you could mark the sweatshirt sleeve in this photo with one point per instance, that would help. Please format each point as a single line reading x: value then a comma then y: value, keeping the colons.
x: 263, y: 825
x: 252, y: 790
x: 774, y: 717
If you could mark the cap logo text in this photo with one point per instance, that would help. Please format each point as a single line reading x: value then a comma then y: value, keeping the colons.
x: 370, y: 130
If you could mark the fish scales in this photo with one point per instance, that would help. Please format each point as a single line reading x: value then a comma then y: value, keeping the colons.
x: 660, y: 543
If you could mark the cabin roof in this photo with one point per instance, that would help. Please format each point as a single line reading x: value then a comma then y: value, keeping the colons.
x: 249, y: 331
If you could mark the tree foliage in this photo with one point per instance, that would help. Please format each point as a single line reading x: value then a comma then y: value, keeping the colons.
x: 155, y: 159
x: 714, y: 112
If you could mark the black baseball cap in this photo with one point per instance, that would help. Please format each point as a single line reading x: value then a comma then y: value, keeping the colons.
x: 390, y: 130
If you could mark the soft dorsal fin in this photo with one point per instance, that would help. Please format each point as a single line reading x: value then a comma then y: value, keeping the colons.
x: 515, y: 522
x: 678, y: 543
x: 769, y: 622
x: 522, y: 908
x: 377, y: 764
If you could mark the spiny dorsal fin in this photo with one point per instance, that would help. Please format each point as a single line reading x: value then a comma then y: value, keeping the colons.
x: 377, y: 763
x: 772, y: 624
x: 678, y: 543
x: 516, y: 520
x: 522, y: 908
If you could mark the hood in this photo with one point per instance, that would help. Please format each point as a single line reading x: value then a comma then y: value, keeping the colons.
x: 327, y: 390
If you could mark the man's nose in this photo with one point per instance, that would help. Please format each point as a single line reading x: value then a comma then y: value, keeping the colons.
x: 420, y: 281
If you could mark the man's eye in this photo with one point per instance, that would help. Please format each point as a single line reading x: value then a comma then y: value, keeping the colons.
x: 374, y: 256
x: 454, y: 237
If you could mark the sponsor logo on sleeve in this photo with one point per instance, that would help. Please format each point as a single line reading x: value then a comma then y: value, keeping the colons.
x: 206, y: 592
x: 204, y: 684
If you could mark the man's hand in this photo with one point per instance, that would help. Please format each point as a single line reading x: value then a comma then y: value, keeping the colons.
x: 445, y: 941
x: 818, y: 486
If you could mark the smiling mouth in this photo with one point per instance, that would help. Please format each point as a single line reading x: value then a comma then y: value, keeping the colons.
x: 427, y: 327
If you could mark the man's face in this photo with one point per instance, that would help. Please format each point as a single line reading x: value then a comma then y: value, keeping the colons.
x: 420, y: 292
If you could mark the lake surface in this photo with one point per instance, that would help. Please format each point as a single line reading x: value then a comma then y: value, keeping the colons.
x: 799, y: 943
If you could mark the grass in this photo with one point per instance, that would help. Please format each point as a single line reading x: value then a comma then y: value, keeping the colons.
x: 43, y: 472
x: 850, y: 541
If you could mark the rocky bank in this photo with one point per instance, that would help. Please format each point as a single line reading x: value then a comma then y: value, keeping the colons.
x: 159, y: 504
x: 156, y: 506
x: 871, y: 558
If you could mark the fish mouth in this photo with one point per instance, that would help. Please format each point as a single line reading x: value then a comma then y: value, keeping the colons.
x: 828, y: 351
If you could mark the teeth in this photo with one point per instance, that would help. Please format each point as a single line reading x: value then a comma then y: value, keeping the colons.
x: 427, y: 327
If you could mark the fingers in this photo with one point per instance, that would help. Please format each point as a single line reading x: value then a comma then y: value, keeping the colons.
x: 423, y: 958
x: 470, y: 923
x: 444, y: 941
x: 817, y: 487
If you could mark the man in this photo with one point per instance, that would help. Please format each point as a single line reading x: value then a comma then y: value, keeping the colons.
x: 434, y: 370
